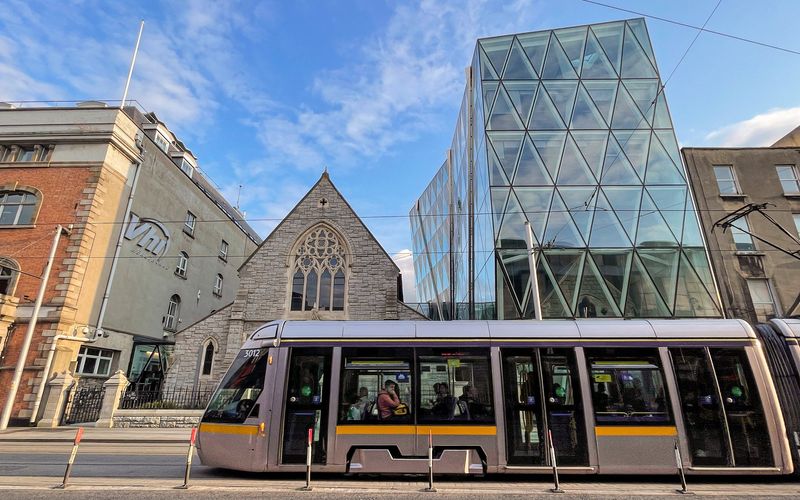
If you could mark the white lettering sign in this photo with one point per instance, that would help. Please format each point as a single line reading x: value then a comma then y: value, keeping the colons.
x: 148, y: 234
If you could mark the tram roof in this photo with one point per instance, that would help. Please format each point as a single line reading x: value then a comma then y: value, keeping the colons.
x: 577, y: 329
x: 788, y: 327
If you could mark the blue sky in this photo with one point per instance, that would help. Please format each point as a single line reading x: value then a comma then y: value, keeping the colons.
x: 268, y: 93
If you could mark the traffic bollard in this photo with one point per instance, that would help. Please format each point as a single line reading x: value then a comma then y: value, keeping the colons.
x: 557, y: 488
x: 679, y: 462
x: 308, y: 460
x: 189, y: 456
x: 75, y: 443
x: 430, y: 487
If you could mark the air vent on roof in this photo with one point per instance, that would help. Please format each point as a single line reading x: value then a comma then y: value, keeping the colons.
x: 91, y: 104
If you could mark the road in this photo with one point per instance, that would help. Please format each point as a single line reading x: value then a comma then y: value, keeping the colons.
x: 138, y: 468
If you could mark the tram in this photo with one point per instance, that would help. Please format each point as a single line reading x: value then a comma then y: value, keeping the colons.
x: 611, y: 396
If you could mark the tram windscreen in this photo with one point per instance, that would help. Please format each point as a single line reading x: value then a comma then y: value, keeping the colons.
x: 236, y: 396
x: 628, y: 391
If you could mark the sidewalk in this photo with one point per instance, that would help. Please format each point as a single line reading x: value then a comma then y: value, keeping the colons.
x: 94, y: 435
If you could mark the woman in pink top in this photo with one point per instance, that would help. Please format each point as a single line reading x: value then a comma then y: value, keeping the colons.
x: 388, y: 400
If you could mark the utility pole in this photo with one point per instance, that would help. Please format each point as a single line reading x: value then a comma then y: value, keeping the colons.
x: 26, y: 342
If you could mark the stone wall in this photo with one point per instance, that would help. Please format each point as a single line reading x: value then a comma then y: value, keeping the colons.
x: 187, y: 354
x: 156, y: 418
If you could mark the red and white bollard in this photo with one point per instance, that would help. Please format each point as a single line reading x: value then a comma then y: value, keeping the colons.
x: 430, y: 487
x: 189, y: 456
x: 556, y: 485
x: 308, y: 459
x: 72, y: 456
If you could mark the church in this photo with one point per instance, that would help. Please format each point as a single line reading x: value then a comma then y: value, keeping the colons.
x: 319, y: 263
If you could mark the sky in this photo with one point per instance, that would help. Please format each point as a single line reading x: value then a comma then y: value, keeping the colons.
x: 267, y: 94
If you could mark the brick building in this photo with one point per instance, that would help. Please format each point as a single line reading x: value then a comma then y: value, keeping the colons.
x: 320, y: 262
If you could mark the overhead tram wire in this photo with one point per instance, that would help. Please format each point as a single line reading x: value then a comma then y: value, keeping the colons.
x: 699, y: 28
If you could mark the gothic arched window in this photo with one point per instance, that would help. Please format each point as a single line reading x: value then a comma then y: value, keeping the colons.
x: 318, y: 274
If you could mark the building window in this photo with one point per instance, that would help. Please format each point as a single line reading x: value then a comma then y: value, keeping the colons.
x: 789, y: 179
x: 189, y: 223
x: 183, y: 262
x: 208, y: 359
x: 187, y: 168
x: 9, y: 270
x: 762, y: 298
x: 172, y: 317
x: 726, y: 180
x: 318, y: 275
x: 24, y: 153
x: 17, y: 208
x: 223, y: 250
x: 92, y: 361
x: 218, y: 286
x: 741, y: 237
x: 797, y: 223
x: 162, y: 142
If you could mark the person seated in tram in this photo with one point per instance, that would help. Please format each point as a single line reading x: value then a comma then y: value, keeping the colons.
x: 360, y: 405
x: 445, y: 403
x: 388, y: 400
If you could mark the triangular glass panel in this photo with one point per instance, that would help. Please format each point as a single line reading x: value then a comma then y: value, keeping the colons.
x: 595, y: 61
x: 553, y: 303
x: 603, y: 94
x: 504, y: 116
x: 557, y: 65
x: 544, y: 115
x: 487, y: 70
x: 496, y: 50
x: 522, y: 95
x: 572, y: 41
x: 626, y: 113
x: 586, y: 115
x: 635, y: 63
x: 607, y: 232
x: 667, y: 138
x: 580, y: 202
x: 670, y: 201
x: 625, y: 201
x: 535, y: 203
x: 518, y: 67
x: 531, y: 170
x: 499, y: 198
x: 561, y: 231
x: 643, y: 93
x: 635, y: 145
x: 507, y: 146
x: 489, y: 91
x: 639, y: 29
x: 660, y: 168
x: 497, y: 176
x: 691, y: 229
x: 563, y: 95
x: 549, y: 145
x: 699, y: 261
x: 512, y: 231
x: 617, y: 170
x: 653, y: 231
x: 535, y: 47
x: 662, y: 265
x: 693, y: 298
x: 516, y: 271
x: 592, y: 144
x: 614, y: 267
x: 610, y: 37
x: 662, y: 119
x: 594, y: 298
x: 574, y: 170
x: 642, y: 298
x: 566, y: 266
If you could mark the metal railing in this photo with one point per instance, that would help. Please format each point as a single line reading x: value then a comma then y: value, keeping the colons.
x: 181, y: 398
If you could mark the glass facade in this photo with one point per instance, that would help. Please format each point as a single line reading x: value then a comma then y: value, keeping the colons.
x: 569, y: 131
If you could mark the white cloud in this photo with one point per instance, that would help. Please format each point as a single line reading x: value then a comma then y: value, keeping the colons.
x: 405, y: 261
x: 761, y: 130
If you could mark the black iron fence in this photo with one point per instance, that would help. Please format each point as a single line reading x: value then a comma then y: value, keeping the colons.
x: 83, y: 405
x: 180, y: 398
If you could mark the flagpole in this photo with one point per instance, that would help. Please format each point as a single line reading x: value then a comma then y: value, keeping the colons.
x: 133, y: 62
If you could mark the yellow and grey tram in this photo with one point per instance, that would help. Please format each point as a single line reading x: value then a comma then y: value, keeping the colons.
x: 614, y: 396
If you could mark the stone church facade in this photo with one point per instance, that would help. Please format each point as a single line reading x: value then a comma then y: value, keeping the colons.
x: 320, y: 262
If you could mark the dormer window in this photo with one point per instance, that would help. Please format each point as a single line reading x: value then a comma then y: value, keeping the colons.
x: 187, y: 168
x: 161, y: 142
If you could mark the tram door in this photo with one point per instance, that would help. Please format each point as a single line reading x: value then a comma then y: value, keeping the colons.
x: 542, y: 394
x: 307, y: 394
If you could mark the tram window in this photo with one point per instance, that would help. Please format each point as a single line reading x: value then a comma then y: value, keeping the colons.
x: 454, y: 385
x: 238, y: 392
x: 307, y: 380
x: 628, y: 387
x: 376, y: 386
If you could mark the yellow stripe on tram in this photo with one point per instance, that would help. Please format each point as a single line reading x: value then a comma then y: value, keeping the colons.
x: 410, y: 430
x: 247, y: 430
x: 636, y: 431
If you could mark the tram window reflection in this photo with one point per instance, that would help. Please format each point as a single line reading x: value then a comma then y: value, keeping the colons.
x: 454, y: 385
x: 236, y: 396
x: 374, y: 388
x: 628, y: 387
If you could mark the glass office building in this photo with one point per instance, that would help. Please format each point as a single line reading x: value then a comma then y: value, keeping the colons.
x: 569, y: 131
